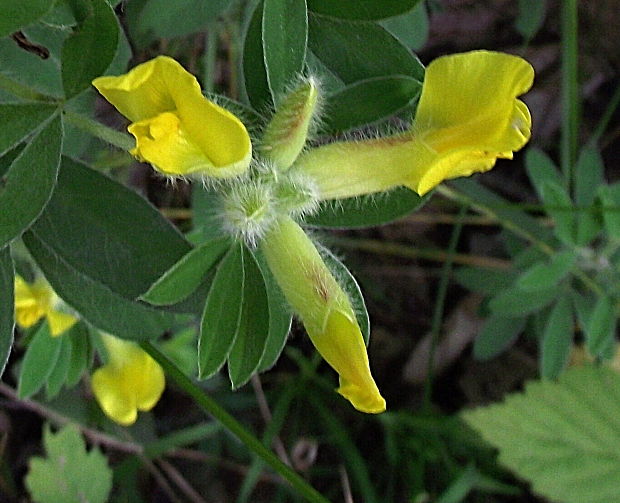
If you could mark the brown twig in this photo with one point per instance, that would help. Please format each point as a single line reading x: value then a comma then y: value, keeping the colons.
x: 263, y: 406
x: 174, y: 475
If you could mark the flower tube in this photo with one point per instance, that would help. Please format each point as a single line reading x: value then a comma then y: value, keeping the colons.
x: 467, y: 117
x: 177, y: 129
x: 130, y: 381
x: 325, y: 310
x: 37, y: 300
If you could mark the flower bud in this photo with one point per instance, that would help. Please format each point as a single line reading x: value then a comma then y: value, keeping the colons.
x: 325, y: 310
x: 286, y: 133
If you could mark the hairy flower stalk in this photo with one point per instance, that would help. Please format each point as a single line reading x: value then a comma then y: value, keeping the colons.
x: 324, y: 309
x: 468, y: 117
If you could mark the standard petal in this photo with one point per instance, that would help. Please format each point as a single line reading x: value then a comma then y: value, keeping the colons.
x: 114, y: 395
x: 31, y: 301
x: 474, y: 92
x: 59, y: 322
x: 148, y: 380
x: 220, y: 135
x: 145, y: 91
x: 130, y: 381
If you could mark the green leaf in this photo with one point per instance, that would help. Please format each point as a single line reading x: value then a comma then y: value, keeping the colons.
x: 461, y: 486
x: 58, y: 376
x: 502, y: 208
x: 367, y: 211
x: 518, y: 302
x: 222, y: 314
x: 186, y: 275
x: 88, y: 52
x: 544, y: 275
x: 497, y: 334
x: 483, y: 280
x: 368, y: 101
x: 39, y: 361
x: 411, y: 28
x: 557, y: 339
x: 254, y: 71
x: 601, y: 328
x: 540, y: 169
x: 531, y: 17
x: 69, y: 474
x: 16, y: 14
x: 19, y: 120
x: 337, y: 44
x: 280, y: 317
x: 253, y: 332
x: 181, y: 18
x: 207, y: 211
x: 285, y: 35
x: 563, y: 437
x: 351, y: 287
x: 81, y: 352
x: 29, y: 183
x: 361, y: 9
x: 589, y: 176
x: 124, y: 243
x: 7, y: 323
x: 95, y: 302
x: 610, y: 199
x: 559, y: 206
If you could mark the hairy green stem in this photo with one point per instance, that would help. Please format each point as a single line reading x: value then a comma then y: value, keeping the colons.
x: 233, y: 426
x: 98, y: 130
x: 570, y: 89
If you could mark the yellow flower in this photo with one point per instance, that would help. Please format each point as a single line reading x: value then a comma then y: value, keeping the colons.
x: 325, y: 310
x: 177, y: 129
x: 130, y: 381
x: 468, y: 117
x: 38, y: 300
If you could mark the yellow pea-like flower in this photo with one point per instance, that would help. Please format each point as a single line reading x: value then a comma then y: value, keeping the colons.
x: 177, y: 129
x: 325, y: 310
x: 37, y: 300
x: 468, y: 116
x: 130, y: 381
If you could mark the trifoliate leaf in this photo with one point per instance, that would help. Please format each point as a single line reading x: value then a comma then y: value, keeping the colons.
x: 69, y: 474
x: 563, y: 436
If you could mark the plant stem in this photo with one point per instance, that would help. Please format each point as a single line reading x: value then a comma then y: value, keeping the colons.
x: 210, y: 58
x: 604, y: 121
x: 570, y: 89
x: 98, y: 130
x: 232, y: 425
x: 439, y: 306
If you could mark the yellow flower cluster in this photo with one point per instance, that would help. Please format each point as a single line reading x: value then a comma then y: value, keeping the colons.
x: 468, y: 116
x: 130, y: 381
